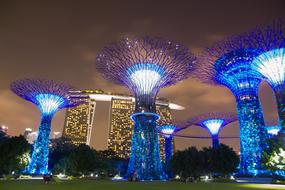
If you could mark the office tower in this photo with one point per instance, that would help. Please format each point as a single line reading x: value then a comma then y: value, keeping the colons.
x: 79, y: 121
x: 121, y: 127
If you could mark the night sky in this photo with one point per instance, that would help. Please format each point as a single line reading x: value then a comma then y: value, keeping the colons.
x: 59, y: 40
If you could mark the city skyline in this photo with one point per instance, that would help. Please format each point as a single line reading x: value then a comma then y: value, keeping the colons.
x: 36, y: 51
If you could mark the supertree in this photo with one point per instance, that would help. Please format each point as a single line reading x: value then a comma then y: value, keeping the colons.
x: 228, y: 63
x: 270, y: 63
x: 168, y: 131
x: 144, y: 65
x: 50, y: 97
x: 213, y: 122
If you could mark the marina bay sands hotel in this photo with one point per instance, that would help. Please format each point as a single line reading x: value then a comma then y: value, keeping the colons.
x: 79, y: 120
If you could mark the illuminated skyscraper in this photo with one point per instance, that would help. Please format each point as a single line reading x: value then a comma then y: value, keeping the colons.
x: 79, y: 121
x: 121, y: 127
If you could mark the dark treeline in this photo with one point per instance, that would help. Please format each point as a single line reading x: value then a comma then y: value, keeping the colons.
x: 14, y: 153
x: 193, y: 163
x: 74, y: 160
x: 66, y: 158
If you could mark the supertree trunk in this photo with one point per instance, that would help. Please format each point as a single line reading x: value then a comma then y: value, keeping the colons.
x: 39, y: 161
x: 215, y: 141
x: 253, y: 134
x: 145, y: 161
x: 168, y: 155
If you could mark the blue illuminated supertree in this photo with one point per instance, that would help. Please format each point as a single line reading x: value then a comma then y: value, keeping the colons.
x: 144, y: 65
x: 168, y: 131
x: 50, y: 97
x: 270, y: 63
x: 228, y: 63
x: 213, y: 122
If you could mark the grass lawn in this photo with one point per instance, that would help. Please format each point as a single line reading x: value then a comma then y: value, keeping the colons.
x: 110, y: 185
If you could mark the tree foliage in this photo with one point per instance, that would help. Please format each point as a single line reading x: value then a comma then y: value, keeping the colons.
x: 14, y: 154
x: 193, y: 163
x: 273, y: 158
x: 189, y: 163
x: 76, y: 160
x: 221, y: 161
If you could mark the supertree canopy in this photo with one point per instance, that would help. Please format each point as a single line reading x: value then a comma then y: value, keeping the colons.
x: 213, y: 122
x: 270, y: 63
x: 228, y: 63
x: 50, y: 97
x: 144, y: 65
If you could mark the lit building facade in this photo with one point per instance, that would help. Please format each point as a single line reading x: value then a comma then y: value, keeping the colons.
x: 121, y: 127
x: 79, y: 121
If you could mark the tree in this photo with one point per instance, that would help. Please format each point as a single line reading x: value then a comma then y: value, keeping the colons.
x: 14, y: 154
x: 66, y: 166
x: 189, y: 163
x: 60, y: 148
x: 85, y: 158
x: 273, y: 159
x: 3, y: 136
x: 193, y: 163
x: 221, y: 161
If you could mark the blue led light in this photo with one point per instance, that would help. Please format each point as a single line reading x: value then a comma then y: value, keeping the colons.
x: 234, y: 71
x: 145, y: 65
x: 271, y: 65
x: 167, y: 130
x: 49, y: 103
x: 145, y: 77
x: 39, y: 159
x: 145, y: 160
x: 49, y: 96
x: 155, y: 116
x: 213, y: 125
x: 213, y: 122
